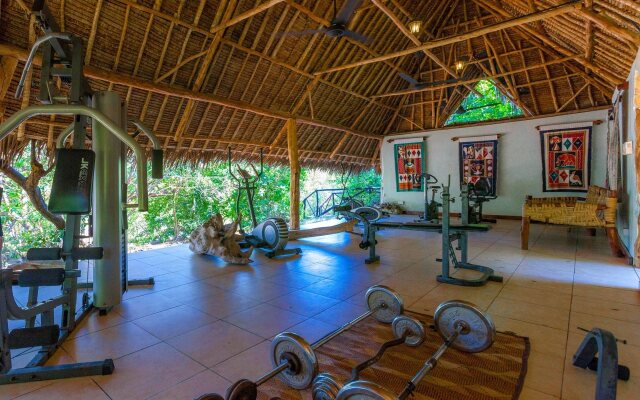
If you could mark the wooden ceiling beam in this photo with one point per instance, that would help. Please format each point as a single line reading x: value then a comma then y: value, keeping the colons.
x: 299, y: 71
x: 118, y: 78
x: 510, y: 23
x: 475, y: 80
x: 402, y: 28
x: 549, y: 46
x: 610, y: 26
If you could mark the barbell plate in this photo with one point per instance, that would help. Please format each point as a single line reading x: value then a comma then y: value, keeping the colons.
x: 365, y: 390
x: 210, y: 396
x: 326, y: 387
x: 288, y: 345
x: 243, y: 389
x: 479, y: 332
x: 386, y: 303
x: 403, y: 324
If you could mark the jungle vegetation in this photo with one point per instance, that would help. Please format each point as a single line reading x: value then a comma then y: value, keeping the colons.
x: 184, y: 199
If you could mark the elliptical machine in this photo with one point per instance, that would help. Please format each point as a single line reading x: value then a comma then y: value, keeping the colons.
x: 430, y: 207
x: 272, y: 234
x: 479, y: 193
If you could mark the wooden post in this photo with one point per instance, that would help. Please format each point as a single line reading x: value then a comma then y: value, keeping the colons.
x: 294, y: 165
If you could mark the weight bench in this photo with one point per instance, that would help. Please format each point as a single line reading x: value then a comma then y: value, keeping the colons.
x: 450, y: 234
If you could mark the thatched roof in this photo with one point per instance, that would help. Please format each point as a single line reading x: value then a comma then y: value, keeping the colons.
x: 211, y: 74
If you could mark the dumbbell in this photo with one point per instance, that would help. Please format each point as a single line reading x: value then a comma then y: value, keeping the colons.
x: 294, y: 359
x: 462, y: 326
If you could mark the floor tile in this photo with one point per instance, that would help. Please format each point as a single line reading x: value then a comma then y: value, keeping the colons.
x: 250, y: 364
x: 148, y: 372
x: 194, y: 387
x: 304, y: 303
x: 530, y: 312
x: 113, y: 342
x: 223, y: 304
x: 341, y: 313
x: 68, y: 389
x: 214, y: 343
x: 265, y: 320
x: 174, y: 321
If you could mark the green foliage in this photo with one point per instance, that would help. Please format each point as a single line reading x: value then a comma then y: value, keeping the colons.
x: 23, y: 226
x: 185, y: 198
x: 492, y: 106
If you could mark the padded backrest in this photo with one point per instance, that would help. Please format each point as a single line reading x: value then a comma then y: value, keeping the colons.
x: 72, y: 182
x: 482, y: 187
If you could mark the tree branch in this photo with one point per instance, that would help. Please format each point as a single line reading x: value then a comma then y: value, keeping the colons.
x: 30, y: 185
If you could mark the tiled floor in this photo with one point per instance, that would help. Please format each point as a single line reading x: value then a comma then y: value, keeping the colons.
x: 206, y: 324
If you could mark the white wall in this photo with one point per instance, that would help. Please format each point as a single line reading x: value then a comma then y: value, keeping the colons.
x: 519, y: 164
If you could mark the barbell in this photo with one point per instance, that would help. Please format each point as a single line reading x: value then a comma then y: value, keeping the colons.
x: 462, y: 325
x: 294, y: 360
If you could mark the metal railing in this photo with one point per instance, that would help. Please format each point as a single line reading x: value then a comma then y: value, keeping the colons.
x: 323, y: 201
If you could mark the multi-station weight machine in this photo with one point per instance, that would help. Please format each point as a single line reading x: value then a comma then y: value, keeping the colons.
x: 454, y: 237
x: 87, y: 184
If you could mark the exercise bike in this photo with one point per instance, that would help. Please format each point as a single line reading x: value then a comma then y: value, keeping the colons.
x: 430, y: 207
x: 479, y: 193
x: 272, y: 234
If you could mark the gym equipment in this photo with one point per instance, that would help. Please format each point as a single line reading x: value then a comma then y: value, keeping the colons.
x: 406, y: 330
x: 450, y: 235
x: 602, y: 343
x: 430, y: 207
x: 85, y: 182
x: 272, y: 234
x: 478, y: 194
x: 294, y: 360
x: 462, y: 326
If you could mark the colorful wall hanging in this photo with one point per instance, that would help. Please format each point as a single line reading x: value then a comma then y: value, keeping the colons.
x: 566, y: 157
x: 479, y: 160
x: 410, y: 164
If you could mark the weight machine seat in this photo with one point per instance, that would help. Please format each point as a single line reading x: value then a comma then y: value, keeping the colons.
x: 30, y: 265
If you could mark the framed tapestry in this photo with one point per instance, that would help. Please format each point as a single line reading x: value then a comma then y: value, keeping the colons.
x: 566, y: 157
x: 410, y: 164
x: 478, y: 159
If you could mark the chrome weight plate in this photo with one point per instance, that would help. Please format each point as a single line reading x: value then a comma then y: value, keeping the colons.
x: 326, y: 387
x: 414, y: 330
x: 385, y: 303
x: 243, y: 389
x: 478, y: 331
x: 365, y: 390
x: 290, y: 348
x: 369, y: 213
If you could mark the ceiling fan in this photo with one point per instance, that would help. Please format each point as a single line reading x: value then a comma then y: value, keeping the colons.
x: 338, y: 27
x: 415, y: 85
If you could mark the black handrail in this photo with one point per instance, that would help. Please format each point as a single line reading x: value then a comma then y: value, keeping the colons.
x: 319, y: 203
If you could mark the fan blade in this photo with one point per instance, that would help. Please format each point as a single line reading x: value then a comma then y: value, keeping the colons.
x: 356, y: 36
x: 409, y: 79
x: 301, y: 33
x: 344, y: 14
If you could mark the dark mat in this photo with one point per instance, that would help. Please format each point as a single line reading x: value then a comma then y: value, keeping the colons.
x: 496, y: 373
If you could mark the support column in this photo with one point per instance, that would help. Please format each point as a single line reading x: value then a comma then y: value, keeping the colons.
x: 107, y: 200
x: 294, y: 165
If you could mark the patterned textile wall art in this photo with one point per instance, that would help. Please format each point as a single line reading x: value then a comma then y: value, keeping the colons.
x: 479, y: 159
x: 566, y: 158
x: 410, y: 164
